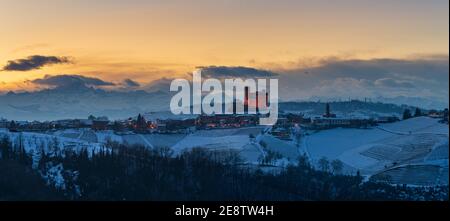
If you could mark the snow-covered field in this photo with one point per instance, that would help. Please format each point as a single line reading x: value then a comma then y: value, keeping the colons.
x: 35, y: 144
x: 420, y: 141
x: 55, y: 144
x: 286, y: 149
x: 217, y: 139
x: 413, y: 146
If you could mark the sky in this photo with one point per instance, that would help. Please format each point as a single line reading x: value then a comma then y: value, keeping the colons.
x: 148, y: 40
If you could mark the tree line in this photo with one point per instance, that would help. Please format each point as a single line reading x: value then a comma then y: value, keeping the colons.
x: 131, y: 172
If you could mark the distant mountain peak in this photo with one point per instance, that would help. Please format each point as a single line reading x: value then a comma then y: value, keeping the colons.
x: 10, y: 93
x: 73, y: 88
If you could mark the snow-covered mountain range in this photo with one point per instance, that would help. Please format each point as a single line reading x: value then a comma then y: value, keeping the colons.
x: 80, y: 102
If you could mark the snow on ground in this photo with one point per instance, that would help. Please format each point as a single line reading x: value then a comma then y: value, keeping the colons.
x: 230, y: 132
x: 71, y: 135
x: 249, y: 130
x: 164, y: 115
x: 89, y: 135
x: 163, y: 140
x: 440, y: 152
x: 104, y: 136
x: 286, y: 149
x: 217, y: 139
x: 54, y: 177
x: 36, y: 142
x: 134, y: 139
x: 417, y: 125
x: 421, y: 141
x: 417, y: 141
x: 355, y: 160
x: 420, y: 175
x: 212, y: 143
x: 153, y: 140
x: 332, y: 143
x: 250, y: 153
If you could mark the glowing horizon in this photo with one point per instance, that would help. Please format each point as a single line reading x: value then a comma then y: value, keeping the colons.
x: 149, y: 40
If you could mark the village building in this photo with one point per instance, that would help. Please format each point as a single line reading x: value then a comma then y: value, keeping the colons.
x: 100, y: 123
x: 330, y: 120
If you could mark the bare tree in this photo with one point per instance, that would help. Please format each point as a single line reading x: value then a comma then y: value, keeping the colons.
x: 337, y: 166
x: 324, y: 165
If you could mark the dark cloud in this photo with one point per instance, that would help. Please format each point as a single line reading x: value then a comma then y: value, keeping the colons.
x: 34, y: 62
x: 130, y: 83
x: 375, y: 69
x: 162, y: 84
x: 234, y: 72
x: 427, y: 78
x: 70, y: 81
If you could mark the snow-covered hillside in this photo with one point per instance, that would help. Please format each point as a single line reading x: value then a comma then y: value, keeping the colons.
x: 37, y: 142
x: 218, y: 139
x: 80, y: 102
x: 392, y: 150
x: 420, y: 141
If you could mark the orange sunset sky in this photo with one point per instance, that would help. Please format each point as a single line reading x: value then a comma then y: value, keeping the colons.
x: 147, y: 40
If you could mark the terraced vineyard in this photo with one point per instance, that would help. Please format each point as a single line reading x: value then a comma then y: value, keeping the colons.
x: 89, y: 136
x: 423, y: 175
x: 413, y: 151
x: 439, y: 153
x: 382, y: 152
